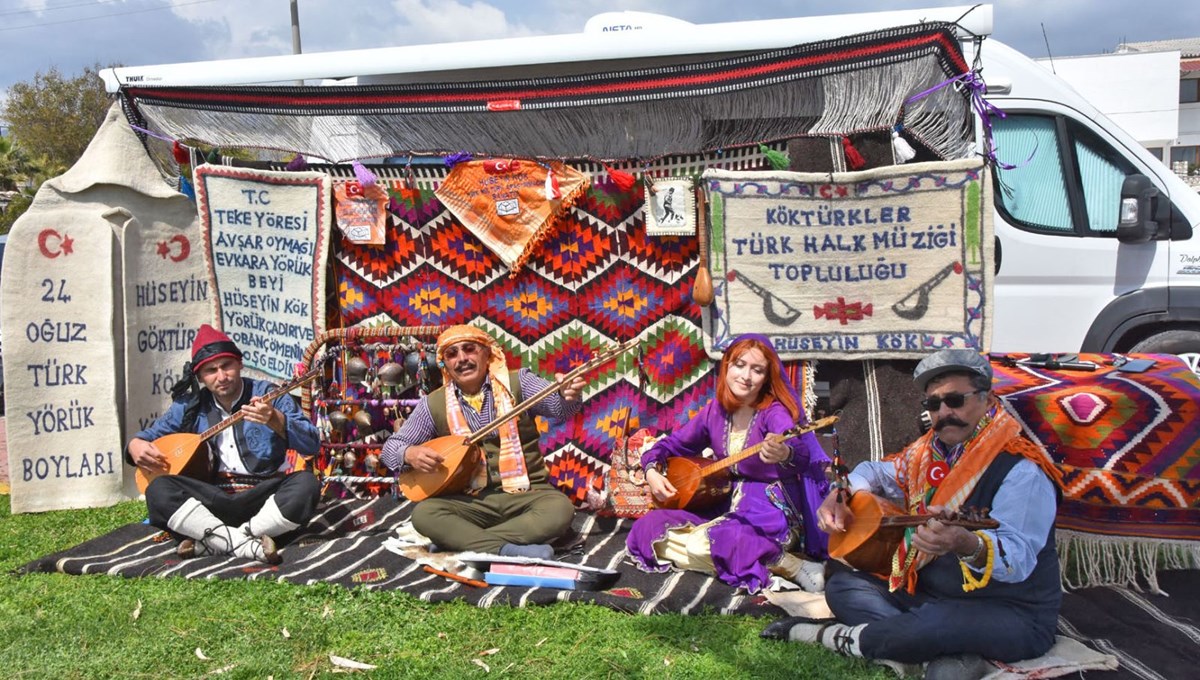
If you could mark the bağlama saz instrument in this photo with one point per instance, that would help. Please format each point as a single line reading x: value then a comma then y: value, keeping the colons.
x: 460, y: 454
x: 180, y: 448
x: 701, y: 482
x: 878, y: 526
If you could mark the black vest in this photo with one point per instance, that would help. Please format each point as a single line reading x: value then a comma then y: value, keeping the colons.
x: 1040, y: 593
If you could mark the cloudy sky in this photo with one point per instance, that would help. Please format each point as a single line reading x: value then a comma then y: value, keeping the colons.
x: 72, y: 34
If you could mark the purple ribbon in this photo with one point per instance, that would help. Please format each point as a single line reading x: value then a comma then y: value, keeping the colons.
x: 976, y: 89
x: 152, y: 134
x: 456, y: 158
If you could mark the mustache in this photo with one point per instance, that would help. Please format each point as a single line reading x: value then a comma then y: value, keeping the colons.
x: 948, y: 420
x: 464, y: 366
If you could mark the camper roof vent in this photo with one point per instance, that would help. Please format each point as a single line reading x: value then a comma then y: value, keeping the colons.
x: 620, y: 22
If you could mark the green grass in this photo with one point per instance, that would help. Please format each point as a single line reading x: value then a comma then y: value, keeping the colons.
x: 55, y: 626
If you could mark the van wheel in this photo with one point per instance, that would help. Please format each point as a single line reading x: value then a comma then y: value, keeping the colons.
x: 1184, y: 343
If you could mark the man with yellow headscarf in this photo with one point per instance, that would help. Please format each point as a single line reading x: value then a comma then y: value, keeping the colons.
x: 509, y: 508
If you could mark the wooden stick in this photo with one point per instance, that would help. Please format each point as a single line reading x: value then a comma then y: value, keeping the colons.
x: 455, y: 577
x: 702, y: 290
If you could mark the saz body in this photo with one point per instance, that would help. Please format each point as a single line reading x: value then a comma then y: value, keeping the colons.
x: 871, y: 540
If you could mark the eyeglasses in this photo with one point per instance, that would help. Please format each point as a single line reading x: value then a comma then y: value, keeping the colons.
x: 953, y: 400
x: 467, y: 349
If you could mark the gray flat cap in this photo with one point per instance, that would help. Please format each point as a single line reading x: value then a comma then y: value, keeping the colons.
x: 950, y: 361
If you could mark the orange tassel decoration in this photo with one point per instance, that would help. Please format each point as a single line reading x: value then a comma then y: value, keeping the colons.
x: 854, y: 159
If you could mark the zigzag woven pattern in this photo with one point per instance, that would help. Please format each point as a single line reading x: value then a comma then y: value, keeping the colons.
x: 1128, y: 443
x: 597, y: 281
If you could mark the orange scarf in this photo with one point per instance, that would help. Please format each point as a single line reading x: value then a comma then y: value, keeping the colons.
x: 1002, y: 434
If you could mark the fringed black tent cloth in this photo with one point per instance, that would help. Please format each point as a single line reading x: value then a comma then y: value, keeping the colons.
x: 836, y: 87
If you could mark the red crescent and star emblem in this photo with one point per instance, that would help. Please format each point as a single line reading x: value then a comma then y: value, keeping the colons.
x: 52, y: 244
x: 938, y: 470
x: 165, y: 249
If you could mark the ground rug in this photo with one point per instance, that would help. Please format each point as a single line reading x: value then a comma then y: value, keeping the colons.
x: 1153, y: 636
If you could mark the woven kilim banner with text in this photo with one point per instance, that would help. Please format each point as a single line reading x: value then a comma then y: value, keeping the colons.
x: 883, y: 264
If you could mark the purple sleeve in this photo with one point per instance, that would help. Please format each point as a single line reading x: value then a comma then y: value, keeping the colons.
x: 418, y: 428
x: 808, y: 460
x: 689, y: 440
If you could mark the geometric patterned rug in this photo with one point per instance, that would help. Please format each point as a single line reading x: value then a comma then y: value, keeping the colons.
x: 1128, y: 443
x: 598, y: 279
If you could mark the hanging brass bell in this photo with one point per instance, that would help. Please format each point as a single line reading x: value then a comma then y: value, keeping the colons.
x: 356, y: 370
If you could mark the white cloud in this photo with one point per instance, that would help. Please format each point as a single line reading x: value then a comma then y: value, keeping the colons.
x: 448, y: 21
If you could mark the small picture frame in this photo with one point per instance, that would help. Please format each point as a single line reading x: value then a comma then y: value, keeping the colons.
x: 670, y: 206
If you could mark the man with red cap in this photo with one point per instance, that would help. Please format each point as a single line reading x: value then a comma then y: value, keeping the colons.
x: 510, y: 508
x: 250, y: 498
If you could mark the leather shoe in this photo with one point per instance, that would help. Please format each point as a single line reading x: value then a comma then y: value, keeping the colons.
x: 186, y: 548
x: 781, y: 629
x: 270, y: 552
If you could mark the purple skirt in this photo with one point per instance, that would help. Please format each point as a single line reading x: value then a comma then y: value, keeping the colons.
x: 748, y: 537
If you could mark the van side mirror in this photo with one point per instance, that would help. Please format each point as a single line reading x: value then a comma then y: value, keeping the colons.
x: 1136, y: 223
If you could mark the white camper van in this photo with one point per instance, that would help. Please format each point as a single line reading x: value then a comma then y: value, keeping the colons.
x: 1095, y: 246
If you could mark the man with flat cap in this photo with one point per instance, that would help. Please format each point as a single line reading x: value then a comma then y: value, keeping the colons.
x: 954, y: 597
x: 509, y: 507
x: 251, y: 498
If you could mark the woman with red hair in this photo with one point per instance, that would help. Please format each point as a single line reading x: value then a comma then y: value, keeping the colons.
x: 771, y: 512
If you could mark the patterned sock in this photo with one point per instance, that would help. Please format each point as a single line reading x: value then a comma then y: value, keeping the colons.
x: 842, y: 639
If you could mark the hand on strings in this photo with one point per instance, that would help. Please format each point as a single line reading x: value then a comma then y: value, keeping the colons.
x: 773, y: 451
x: 423, y: 458
x: 935, y: 537
x: 662, y: 489
x: 834, y: 515
x: 147, y: 456
x: 263, y: 413
x: 572, y: 390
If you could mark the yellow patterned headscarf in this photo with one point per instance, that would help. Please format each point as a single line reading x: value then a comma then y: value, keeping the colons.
x: 514, y: 476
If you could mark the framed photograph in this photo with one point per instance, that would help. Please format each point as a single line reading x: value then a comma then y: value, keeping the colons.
x: 670, y: 207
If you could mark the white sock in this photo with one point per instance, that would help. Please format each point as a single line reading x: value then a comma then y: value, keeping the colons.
x: 269, y: 521
x: 212, y: 536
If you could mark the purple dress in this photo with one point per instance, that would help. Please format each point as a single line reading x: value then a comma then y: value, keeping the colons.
x: 769, y: 501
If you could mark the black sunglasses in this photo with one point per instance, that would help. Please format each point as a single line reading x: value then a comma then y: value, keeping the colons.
x: 953, y: 400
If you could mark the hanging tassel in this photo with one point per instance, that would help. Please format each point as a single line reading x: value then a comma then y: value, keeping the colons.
x: 456, y: 158
x: 366, y: 178
x: 180, y: 153
x: 623, y: 180
x: 777, y: 159
x: 854, y: 159
x: 552, y: 190
x: 297, y: 164
x: 901, y: 149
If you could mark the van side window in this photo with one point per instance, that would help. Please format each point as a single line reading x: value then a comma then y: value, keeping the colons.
x: 1034, y: 193
x: 1078, y: 193
x: 1101, y: 173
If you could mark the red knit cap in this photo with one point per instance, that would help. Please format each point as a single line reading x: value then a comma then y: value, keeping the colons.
x: 210, y: 344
